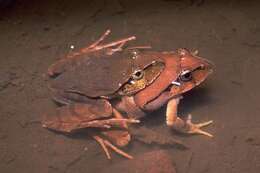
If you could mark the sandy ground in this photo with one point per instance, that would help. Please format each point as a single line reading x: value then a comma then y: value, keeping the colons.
x: 34, y: 34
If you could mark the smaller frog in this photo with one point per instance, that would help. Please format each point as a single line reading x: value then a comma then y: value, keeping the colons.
x: 105, y: 88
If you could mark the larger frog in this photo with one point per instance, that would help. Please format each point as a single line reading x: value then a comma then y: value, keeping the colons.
x: 105, y: 88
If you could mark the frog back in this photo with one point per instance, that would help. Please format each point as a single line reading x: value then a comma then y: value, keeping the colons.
x: 95, y: 75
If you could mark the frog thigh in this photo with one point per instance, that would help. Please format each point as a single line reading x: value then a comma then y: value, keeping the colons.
x: 78, y: 115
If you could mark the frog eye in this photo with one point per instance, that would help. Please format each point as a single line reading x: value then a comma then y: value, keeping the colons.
x: 138, y: 74
x: 186, y: 76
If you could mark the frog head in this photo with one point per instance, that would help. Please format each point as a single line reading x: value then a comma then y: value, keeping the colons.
x: 182, y: 70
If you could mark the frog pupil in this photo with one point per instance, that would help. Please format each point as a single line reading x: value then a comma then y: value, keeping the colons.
x: 186, y: 77
x: 138, y: 75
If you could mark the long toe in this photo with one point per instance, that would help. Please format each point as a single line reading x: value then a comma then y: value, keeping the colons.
x: 195, y: 128
x: 204, y: 124
x: 201, y: 132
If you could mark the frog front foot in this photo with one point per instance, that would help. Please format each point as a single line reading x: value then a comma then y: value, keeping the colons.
x: 184, y: 125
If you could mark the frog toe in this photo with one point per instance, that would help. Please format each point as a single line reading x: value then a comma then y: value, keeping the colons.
x: 186, y: 126
x: 105, y: 144
x: 196, y: 128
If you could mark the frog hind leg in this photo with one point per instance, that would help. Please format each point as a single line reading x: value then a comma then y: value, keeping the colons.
x: 139, y: 47
x: 98, y: 46
x: 97, y: 42
x: 184, y: 126
x: 110, y: 48
x: 80, y: 115
x: 99, y: 115
x: 120, y: 137
x: 105, y: 144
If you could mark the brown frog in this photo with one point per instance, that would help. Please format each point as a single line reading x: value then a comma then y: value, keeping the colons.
x: 105, y: 88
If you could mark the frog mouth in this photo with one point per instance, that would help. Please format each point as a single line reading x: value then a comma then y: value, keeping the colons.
x: 162, y: 99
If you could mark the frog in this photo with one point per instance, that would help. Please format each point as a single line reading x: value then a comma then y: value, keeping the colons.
x: 106, y: 88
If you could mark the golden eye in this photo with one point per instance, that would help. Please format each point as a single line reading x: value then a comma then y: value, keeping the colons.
x: 138, y: 74
x: 186, y: 76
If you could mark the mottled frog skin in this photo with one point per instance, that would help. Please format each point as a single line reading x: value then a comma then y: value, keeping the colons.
x: 105, y: 88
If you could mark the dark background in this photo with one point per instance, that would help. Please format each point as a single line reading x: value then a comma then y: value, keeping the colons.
x: 34, y: 34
